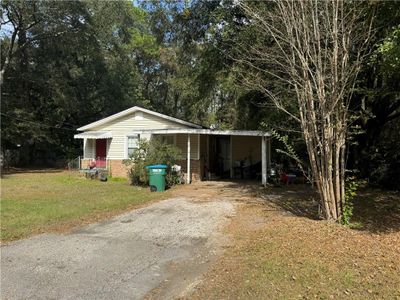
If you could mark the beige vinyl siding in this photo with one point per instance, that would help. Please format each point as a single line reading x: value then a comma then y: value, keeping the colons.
x: 181, y: 143
x: 124, y: 126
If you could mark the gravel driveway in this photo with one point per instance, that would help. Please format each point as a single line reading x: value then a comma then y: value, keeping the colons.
x: 156, y: 252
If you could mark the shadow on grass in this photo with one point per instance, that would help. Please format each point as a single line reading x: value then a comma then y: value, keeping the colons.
x: 298, y: 199
x: 375, y: 211
x: 11, y: 171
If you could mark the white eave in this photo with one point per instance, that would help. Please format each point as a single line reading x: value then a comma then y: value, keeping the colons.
x: 203, y: 131
x: 94, y: 135
x: 132, y: 110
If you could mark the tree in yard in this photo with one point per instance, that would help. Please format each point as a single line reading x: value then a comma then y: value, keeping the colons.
x: 20, y: 17
x: 65, y: 64
x: 375, y: 153
x: 315, y: 49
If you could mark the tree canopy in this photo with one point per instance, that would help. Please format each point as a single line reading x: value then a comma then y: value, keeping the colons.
x: 67, y: 63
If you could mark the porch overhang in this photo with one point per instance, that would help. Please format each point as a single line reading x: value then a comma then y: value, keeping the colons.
x: 94, y: 135
x: 205, y: 131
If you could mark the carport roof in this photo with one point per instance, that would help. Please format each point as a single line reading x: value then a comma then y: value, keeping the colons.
x: 204, y: 131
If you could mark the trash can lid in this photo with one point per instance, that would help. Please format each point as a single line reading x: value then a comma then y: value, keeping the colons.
x: 157, y: 167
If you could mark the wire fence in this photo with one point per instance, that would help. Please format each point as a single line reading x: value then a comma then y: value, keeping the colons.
x: 74, y: 164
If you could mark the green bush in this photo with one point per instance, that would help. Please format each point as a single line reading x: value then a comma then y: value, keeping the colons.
x: 350, y: 192
x: 152, y: 152
x: 173, y: 178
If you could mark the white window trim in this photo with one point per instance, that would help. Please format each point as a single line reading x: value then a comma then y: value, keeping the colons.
x: 126, y: 143
x: 108, y: 145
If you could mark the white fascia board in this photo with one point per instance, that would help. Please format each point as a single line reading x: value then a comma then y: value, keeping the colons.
x: 204, y: 131
x: 131, y: 110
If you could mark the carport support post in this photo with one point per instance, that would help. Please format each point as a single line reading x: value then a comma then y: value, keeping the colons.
x: 188, y: 159
x: 231, y: 157
x: 269, y: 157
x: 263, y: 160
x: 84, y: 147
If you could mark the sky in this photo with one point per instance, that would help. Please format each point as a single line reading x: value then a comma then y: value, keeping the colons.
x: 6, y: 30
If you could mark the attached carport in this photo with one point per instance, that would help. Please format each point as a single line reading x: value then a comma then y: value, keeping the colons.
x: 190, y: 133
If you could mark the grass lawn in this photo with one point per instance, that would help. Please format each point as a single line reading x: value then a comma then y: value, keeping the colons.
x: 37, y: 202
x: 281, y: 251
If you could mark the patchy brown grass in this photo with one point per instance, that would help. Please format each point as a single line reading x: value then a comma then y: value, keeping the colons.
x: 40, y: 201
x: 281, y: 251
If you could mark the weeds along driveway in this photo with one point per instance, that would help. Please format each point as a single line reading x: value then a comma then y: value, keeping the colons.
x: 158, y: 251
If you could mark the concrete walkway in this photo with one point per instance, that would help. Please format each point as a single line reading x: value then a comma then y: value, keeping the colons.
x: 155, y: 252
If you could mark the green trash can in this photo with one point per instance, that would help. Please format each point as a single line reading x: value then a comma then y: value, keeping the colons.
x: 157, y: 177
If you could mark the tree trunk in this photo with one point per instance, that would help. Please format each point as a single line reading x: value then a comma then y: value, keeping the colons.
x: 312, y: 41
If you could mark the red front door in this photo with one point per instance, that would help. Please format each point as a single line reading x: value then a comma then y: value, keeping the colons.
x: 101, y: 148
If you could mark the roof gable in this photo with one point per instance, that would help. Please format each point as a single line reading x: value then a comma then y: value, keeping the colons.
x: 132, y: 110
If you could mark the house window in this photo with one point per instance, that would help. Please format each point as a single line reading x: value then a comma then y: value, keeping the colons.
x: 132, y: 144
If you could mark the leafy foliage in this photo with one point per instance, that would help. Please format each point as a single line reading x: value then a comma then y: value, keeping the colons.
x: 72, y: 66
x: 289, y: 150
x: 152, y: 152
x: 376, y: 103
x: 68, y: 63
x: 350, y: 192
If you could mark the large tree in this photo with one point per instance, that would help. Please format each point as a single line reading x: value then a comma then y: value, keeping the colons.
x: 315, y: 49
x: 66, y: 64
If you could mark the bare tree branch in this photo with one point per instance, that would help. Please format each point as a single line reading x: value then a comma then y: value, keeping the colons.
x: 318, y: 48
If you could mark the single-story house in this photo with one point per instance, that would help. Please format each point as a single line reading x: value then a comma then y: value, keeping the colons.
x: 206, y: 153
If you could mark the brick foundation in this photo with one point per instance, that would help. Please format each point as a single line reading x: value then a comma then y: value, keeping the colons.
x: 117, y: 169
